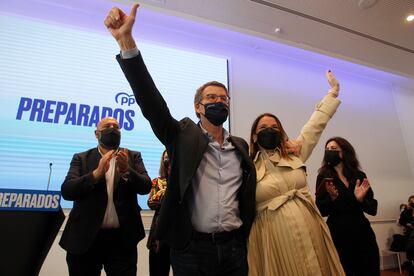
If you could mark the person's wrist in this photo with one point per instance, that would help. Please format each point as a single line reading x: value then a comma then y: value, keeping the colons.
x: 334, y: 93
x: 95, y: 175
x: 126, y: 42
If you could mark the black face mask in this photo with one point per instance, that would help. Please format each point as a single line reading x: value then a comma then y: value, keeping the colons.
x: 269, y: 138
x: 411, y: 205
x: 216, y: 113
x: 332, y: 157
x: 110, y: 138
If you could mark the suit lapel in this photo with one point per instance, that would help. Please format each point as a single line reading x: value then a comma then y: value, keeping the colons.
x: 117, y: 176
x: 246, y: 165
x: 238, y: 145
x: 93, y: 160
x: 195, y: 148
x: 92, y: 163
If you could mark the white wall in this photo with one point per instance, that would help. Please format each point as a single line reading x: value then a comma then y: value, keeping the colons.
x: 375, y: 115
x: 404, y: 102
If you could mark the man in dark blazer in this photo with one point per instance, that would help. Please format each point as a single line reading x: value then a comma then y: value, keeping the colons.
x: 104, y: 225
x: 209, y: 204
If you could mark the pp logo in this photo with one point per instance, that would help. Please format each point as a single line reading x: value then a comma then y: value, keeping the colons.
x: 123, y: 98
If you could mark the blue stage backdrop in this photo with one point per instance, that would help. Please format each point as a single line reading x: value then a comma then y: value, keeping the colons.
x: 57, y: 81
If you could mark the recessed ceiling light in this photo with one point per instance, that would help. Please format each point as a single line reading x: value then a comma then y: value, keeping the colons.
x: 365, y: 4
x: 410, y: 18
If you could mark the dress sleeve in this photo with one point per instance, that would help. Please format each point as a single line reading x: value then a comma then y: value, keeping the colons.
x: 370, y: 204
x: 323, y: 201
x: 312, y: 130
x: 153, y: 201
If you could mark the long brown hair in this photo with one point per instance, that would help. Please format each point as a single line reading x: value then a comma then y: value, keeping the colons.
x: 254, y: 147
x: 350, y: 161
x: 164, y: 166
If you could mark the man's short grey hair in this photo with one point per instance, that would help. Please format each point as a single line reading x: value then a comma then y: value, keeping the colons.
x: 198, y: 97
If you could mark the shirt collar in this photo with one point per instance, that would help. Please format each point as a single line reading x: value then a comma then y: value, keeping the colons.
x: 99, y: 150
x: 272, y: 155
x: 226, y: 134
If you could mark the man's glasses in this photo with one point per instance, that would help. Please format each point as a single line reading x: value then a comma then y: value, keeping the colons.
x: 215, y: 98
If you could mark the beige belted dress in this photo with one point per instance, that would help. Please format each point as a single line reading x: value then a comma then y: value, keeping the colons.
x: 289, y: 236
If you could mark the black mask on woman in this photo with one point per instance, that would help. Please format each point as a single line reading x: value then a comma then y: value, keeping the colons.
x: 332, y: 157
x: 269, y: 138
x: 216, y: 113
x: 110, y: 138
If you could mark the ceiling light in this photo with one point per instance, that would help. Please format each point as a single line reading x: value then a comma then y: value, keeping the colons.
x: 365, y: 4
x: 410, y: 18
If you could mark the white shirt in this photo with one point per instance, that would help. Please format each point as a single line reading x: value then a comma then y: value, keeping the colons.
x: 111, y: 218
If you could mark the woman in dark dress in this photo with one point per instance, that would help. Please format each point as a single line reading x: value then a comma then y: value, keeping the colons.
x: 343, y: 193
x: 159, y: 253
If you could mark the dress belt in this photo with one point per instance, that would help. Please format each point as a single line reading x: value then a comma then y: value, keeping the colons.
x: 276, y: 202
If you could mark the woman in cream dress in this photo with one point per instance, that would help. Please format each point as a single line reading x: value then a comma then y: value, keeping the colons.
x: 289, y: 236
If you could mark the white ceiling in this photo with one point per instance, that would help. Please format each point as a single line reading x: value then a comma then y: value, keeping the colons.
x: 377, y: 36
x: 383, y: 22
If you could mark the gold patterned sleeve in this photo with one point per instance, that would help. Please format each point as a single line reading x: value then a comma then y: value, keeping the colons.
x: 153, y: 199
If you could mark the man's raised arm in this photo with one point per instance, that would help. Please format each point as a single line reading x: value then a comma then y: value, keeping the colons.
x: 149, y: 99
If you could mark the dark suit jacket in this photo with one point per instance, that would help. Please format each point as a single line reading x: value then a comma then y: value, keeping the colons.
x: 186, y: 144
x: 90, y: 200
